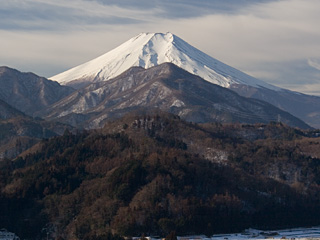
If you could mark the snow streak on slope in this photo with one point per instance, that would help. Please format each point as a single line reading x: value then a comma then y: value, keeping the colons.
x: 151, y: 49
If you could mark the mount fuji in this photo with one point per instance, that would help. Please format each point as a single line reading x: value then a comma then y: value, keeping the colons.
x: 151, y: 49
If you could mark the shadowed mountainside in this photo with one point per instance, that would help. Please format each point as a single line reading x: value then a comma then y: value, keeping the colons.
x: 28, y: 92
x: 166, y: 87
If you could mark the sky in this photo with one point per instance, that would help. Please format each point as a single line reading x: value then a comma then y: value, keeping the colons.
x: 277, y: 41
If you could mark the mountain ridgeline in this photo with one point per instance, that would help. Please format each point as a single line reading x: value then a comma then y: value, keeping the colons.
x: 28, y: 92
x: 22, y: 94
x: 155, y: 173
x: 166, y: 87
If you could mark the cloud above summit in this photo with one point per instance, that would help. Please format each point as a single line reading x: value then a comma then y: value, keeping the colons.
x: 277, y: 41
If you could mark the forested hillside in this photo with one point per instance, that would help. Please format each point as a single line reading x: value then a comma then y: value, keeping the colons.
x: 155, y: 174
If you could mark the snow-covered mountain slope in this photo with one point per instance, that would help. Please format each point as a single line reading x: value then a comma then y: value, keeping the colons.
x: 150, y: 49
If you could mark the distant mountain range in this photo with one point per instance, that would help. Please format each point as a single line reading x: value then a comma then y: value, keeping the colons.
x: 301, y: 105
x: 151, y: 49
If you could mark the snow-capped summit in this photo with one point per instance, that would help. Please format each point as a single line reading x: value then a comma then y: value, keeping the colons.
x: 150, y: 49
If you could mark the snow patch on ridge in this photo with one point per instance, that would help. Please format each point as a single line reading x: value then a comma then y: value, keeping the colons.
x: 178, y: 103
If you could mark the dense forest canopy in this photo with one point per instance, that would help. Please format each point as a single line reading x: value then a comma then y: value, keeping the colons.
x: 156, y: 174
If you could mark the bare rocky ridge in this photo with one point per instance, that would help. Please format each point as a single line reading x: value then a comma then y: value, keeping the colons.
x: 166, y: 87
x: 28, y: 92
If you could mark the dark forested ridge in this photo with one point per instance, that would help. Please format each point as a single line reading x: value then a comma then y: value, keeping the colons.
x: 21, y: 132
x: 155, y: 174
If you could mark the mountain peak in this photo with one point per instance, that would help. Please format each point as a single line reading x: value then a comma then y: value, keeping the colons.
x: 168, y: 35
x: 151, y: 49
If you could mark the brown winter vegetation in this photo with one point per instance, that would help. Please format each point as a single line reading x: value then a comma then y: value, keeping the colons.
x: 156, y: 174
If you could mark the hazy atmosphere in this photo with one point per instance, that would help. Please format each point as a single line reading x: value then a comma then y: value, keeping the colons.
x: 276, y: 41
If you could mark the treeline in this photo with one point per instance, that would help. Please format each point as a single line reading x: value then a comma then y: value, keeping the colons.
x: 152, y: 175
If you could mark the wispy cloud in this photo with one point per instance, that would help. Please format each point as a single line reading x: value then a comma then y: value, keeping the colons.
x: 60, y: 15
x: 277, y: 41
x: 315, y: 63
